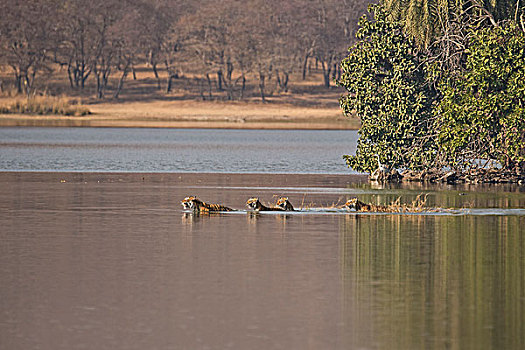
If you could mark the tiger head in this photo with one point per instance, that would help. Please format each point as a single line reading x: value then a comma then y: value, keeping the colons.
x: 253, y: 203
x: 188, y: 202
x: 353, y: 203
x: 284, y: 203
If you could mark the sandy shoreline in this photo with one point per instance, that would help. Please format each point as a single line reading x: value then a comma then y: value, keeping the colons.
x: 62, y: 121
x: 192, y: 114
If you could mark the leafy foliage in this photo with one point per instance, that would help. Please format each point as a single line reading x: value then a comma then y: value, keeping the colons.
x: 482, y: 113
x: 427, y: 20
x: 476, y: 113
x: 387, y: 89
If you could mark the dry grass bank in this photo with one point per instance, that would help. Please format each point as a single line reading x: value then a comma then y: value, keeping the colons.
x: 306, y: 105
x: 43, y: 105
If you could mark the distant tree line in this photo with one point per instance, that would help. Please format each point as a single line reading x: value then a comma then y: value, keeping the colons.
x: 439, y: 86
x: 223, y: 42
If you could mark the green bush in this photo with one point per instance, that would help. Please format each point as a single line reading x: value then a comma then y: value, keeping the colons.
x: 387, y: 89
x: 475, y: 117
x: 482, y: 113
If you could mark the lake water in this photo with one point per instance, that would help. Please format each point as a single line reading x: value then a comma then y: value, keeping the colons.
x: 100, y: 260
x: 175, y: 150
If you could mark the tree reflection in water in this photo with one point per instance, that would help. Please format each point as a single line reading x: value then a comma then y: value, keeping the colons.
x: 435, y: 282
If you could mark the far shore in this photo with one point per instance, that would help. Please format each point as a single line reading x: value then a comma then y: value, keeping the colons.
x: 193, y: 114
x: 306, y: 105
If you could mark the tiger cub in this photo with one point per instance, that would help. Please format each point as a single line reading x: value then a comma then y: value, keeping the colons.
x: 354, y: 203
x: 196, y: 204
x: 255, y: 204
x: 285, y: 204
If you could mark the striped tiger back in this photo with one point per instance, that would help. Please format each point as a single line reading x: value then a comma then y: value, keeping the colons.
x: 206, y: 207
x: 255, y: 204
x: 354, y: 203
x: 196, y: 204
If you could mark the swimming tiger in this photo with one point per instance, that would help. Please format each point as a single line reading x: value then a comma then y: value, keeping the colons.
x: 196, y: 204
x: 354, y: 203
x: 255, y: 204
x: 285, y: 204
x: 186, y: 202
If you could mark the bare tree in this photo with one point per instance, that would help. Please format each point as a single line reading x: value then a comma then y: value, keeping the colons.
x: 156, y: 32
x: 336, y: 23
x: 79, y: 43
x: 129, y: 42
x: 214, y: 43
x: 27, y: 35
x: 108, y: 18
x: 225, y: 43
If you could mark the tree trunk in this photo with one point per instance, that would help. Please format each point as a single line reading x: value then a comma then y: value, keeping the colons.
x: 134, y: 72
x: 219, y: 80
x: 327, y: 68
x: 30, y: 82
x: 229, y: 90
x: 70, y: 75
x: 282, y: 81
x: 172, y: 74
x: 243, y: 87
x: 200, y: 82
x: 229, y: 70
x: 156, y: 73
x: 27, y: 85
x: 18, y: 81
x: 83, y: 75
x: 121, y: 81
x: 102, y: 80
x: 228, y: 83
x: 305, y: 65
x: 171, y: 77
x: 334, y: 72
x: 261, y: 86
x: 79, y: 75
x: 285, y: 80
x: 100, y: 90
x: 209, y: 86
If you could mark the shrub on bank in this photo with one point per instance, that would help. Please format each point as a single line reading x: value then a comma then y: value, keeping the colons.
x: 387, y: 89
x: 472, y: 116
x: 482, y: 111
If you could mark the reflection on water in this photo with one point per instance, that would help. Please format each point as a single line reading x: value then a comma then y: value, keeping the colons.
x: 110, y: 261
x: 436, y: 282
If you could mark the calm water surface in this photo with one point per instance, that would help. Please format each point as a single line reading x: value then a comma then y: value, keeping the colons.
x: 110, y: 261
x: 175, y: 150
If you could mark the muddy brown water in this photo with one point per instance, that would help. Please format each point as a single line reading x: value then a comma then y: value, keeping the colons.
x: 111, y: 261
